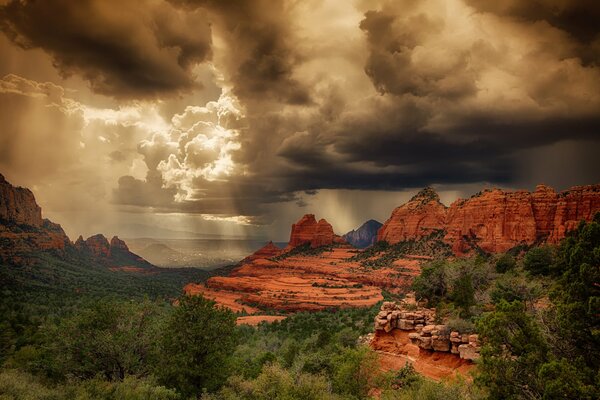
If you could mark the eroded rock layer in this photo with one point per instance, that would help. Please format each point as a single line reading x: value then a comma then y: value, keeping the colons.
x: 493, y: 220
x: 306, y: 282
x: 405, y: 333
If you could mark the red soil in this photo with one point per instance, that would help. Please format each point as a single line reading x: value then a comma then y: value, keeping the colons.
x: 306, y: 283
x: 395, y: 350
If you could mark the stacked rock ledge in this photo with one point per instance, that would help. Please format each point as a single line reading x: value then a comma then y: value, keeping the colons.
x: 419, y: 321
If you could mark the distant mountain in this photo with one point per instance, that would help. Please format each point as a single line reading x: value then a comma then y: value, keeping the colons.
x: 37, y: 259
x: 160, y: 254
x: 364, y: 236
x: 24, y: 233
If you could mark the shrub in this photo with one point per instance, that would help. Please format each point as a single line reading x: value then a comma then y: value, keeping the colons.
x: 463, y: 294
x: 505, y: 263
x: 538, y: 260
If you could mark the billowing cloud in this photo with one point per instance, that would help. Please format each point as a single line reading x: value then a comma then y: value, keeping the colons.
x: 309, y: 98
x: 130, y: 49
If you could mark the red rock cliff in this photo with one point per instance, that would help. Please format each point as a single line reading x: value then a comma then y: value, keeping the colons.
x: 308, y: 230
x: 422, y: 215
x: 17, y: 205
x: 494, y: 220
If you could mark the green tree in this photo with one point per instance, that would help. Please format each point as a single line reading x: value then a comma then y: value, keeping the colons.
x: 513, y: 350
x: 463, y: 294
x: 575, y: 324
x: 355, y: 372
x: 197, y: 343
x: 431, y: 284
x: 111, y: 338
x: 505, y: 263
x: 538, y: 260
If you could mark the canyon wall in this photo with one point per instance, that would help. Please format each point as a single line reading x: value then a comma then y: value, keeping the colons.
x: 493, y: 220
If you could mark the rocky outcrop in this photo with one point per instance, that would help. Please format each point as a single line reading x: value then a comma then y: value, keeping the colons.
x: 18, y: 206
x: 365, y: 235
x: 421, y: 216
x: 22, y: 229
x: 493, y: 220
x: 308, y: 230
x: 98, y: 245
x: 113, y: 254
x: 267, y: 251
x: 419, y: 322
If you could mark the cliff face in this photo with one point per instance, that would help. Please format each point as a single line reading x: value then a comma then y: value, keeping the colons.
x: 580, y: 202
x: 22, y: 229
x: 364, y: 236
x: 421, y: 216
x: 494, y: 220
x: 18, y: 205
x: 308, y: 230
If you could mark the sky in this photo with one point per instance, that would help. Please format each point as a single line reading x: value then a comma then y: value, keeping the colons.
x: 238, y: 117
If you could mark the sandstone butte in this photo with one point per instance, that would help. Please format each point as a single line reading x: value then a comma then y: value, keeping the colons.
x: 23, y: 231
x: 305, y: 281
x: 308, y: 231
x: 494, y: 220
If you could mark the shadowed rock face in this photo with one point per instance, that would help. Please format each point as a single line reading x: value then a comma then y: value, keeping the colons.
x: 18, y: 205
x: 22, y: 229
x: 494, y: 220
x: 365, y: 235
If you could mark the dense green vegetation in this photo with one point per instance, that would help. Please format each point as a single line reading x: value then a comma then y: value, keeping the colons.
x: 536, y: 314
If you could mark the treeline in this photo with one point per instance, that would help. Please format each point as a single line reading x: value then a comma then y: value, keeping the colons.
x: 115, y: 349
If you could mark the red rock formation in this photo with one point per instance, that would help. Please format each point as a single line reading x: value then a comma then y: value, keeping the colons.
x: 580, y: 202
x: 308, y: 230
x: 422, y: 215
x: 18, y: 205
x: 494, y: 220
x: 267, y: 251
x: 118, y: 244
x: 98, y: 245
x: 543, y: 203
x: 22, y: 229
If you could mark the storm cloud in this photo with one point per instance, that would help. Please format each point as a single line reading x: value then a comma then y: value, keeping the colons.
x: 126, y: 49
x: 372, y: 95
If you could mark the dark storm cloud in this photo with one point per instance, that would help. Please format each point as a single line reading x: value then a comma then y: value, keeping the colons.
x: 263, y: 49
x: 132, y: 49
x: 577, y: 17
